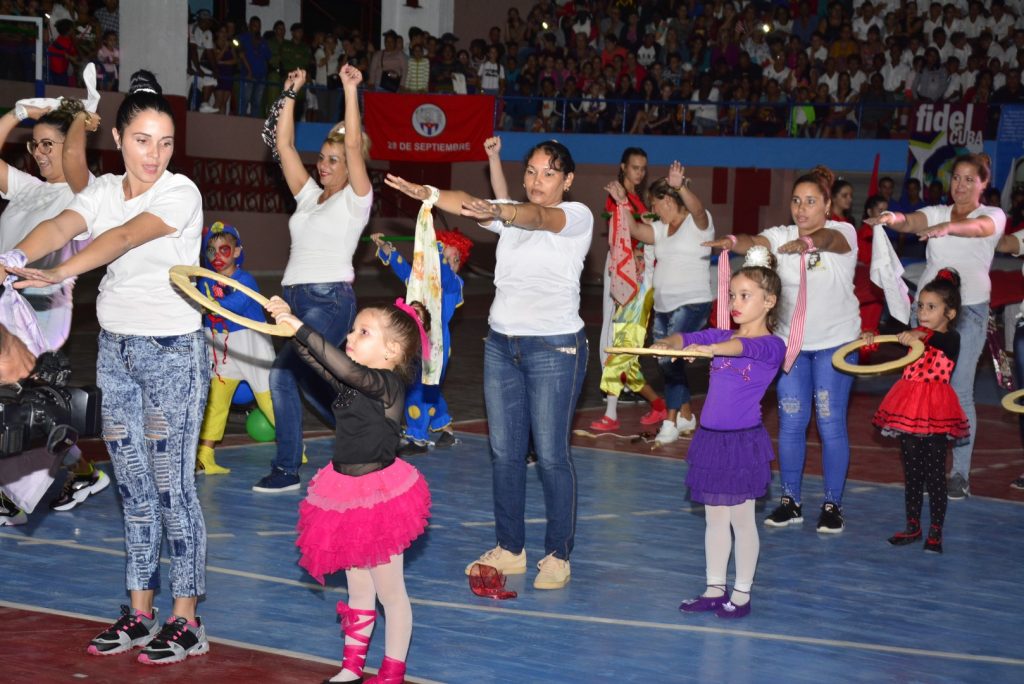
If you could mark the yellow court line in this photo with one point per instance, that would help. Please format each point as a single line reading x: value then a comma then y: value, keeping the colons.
x: 589, y: 619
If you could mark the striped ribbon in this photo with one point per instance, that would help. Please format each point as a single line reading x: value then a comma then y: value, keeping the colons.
x: 796, y: 324
x: 723, y: 320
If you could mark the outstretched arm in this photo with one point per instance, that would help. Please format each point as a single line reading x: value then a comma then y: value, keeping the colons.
x: 915, y: 222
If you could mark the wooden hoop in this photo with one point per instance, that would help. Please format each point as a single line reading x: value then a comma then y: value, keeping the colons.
x: 1010, y: 402
x: 180, y: 277
x: 647, y: 351
x: 916, y: 350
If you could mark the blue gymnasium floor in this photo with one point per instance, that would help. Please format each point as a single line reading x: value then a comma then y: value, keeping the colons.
x: 844, y: 608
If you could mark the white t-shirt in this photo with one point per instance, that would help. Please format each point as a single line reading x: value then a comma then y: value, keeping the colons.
x: 971, y: 257
x: 491, y: 75
x: 833, y: 312
x: 537, y: 275
x: 325, y: 235
x: 682, y: 266
x: 33, y: 201
x: 136, y: 296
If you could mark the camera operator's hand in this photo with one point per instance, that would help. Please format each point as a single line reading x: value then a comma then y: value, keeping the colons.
x: 16, y: 361
x: 36, y: 277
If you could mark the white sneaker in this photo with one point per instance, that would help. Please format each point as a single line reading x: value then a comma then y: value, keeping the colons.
x: 667, y: 434
x: 207, y: 108
x: 554, y: 573
x: 686, y: 426
x: 507, y: 562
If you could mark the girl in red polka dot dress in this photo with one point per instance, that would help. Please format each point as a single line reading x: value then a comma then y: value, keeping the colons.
x: 922, y: 410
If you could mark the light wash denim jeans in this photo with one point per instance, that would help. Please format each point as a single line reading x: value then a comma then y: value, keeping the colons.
x: 154, y: 392
x: 531, y: 385
x: 250, y: 97
x: 329, y: 309
x: 687, y: 318
x: 814, y: 381
x: 972, y: 323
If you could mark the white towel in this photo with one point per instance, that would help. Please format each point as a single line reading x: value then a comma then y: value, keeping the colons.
x: 91, y: 101
x: 887, y: 273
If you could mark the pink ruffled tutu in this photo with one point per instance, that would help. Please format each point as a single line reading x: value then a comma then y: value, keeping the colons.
x: 360, y: 522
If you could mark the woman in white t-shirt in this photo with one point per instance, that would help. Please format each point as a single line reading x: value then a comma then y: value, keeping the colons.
x: 535, y: 353
x: 682, y: 283
x: 963, y: 236
x: 827, y: 251
x: 153, y: 365
x: 1013, y: 243
x: 325, y: 228
x: 58, y: 148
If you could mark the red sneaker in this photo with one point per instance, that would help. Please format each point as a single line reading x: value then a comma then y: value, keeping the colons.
x: 606, y: 424
x: 654, y: 416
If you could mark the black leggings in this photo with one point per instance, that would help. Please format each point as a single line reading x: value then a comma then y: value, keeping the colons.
x: 924, y: 467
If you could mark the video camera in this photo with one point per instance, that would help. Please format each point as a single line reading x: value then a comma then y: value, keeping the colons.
x: 43, y: 411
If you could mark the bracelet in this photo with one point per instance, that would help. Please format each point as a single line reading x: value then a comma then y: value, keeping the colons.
x: 19, y: 111
x: 289, y: 93
x: 433, y: 196
x: 732, y: 239
x: 806, y: 239
x: 509, y: 220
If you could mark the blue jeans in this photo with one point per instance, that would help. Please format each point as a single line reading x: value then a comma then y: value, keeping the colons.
x: 814, y: 377
x: 687, y: 318
x: 250, y: 97
x: 972, y: 323
x: 531, y: 385
x: 154, y: 393
x: 329, y: 309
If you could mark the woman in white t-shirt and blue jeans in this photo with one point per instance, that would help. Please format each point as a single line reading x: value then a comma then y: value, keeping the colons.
x: 962, y: 236
x: 535, y: 353
x: 153, y: 366
x: 325, y: 230
x: 682, y: 283
x: 828, y: 250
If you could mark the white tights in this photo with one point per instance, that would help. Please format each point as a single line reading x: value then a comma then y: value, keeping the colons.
x: 387, y: 584
x: 718, y: 544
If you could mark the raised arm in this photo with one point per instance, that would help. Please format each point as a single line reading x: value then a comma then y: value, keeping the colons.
x: 499, y: 186
x: 295, y: 173
x: 76, y: 167
x: 358, y: 177
x: 677, y: 180
x: 637, y: 230
x: 8, y: 122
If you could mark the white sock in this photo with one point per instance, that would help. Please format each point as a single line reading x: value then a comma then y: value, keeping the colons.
x: 613, y: 407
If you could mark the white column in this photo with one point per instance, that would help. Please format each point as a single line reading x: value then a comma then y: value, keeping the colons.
x: 154, y: 36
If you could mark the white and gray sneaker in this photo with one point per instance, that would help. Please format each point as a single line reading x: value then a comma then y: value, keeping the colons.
x: 131, y: 629
x: 957, y: 487
x: 684, y: 426
x: 176, y: 641
x: 667, y: 434
x: 10, y: 514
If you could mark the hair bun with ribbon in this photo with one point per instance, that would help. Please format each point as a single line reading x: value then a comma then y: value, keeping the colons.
x: 758, y: 256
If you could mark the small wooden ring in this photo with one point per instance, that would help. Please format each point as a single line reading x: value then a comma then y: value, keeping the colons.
x: 1010, y: 402
x: 647, y: 351
x: 915, y: 352
x: 180, y: 275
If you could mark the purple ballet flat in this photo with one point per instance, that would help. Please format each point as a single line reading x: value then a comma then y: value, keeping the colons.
x: 704, y: 604
x: 730, y: 611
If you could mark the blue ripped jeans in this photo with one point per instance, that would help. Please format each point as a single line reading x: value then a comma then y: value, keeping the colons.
x: 814, y: 381
x: 154, y: 392
x: 687, y: 318
x: 330, y: 309
x: 972, y: 324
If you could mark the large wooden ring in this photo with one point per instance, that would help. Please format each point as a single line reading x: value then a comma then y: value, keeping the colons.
x: 180, y: 276
x: 1010, y: 402
x: 647, y: 351
x: 839, y: 358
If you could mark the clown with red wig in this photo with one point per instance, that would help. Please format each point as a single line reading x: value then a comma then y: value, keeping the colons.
x: 426, y: 411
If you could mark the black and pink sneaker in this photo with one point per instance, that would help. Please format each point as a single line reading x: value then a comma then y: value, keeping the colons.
x: 130, y: 630
x: 176, y: 641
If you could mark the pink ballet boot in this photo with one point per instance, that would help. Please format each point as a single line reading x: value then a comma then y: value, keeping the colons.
x: 353, y: 622
x: 391, y: 672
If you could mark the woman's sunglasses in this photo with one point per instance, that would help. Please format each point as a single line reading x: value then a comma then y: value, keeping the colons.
x: 46, y: 145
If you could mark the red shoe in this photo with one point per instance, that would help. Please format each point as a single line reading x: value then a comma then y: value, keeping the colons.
x: 606, y: 424
x: 654, y: 416
x: 391, y: 672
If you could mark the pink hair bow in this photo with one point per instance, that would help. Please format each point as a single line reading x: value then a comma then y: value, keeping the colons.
x: 424, y: 338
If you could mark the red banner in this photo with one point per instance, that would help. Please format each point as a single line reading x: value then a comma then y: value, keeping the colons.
x: 428, y: 128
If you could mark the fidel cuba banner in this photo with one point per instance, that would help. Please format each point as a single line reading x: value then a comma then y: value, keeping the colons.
x: 940, y: 133
x: 428, y: 128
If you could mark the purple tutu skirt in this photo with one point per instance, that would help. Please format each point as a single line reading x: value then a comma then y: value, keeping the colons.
x: 728, y: 467
x: 360, y: 522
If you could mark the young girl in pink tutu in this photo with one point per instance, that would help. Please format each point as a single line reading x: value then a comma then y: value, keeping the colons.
x: 364, y: 509
x: 923, y: 411
x: 730, y: 455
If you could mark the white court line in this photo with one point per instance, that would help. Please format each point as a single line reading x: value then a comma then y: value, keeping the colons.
x: 278, y: 533
x: 217, y: 640
x: 589, y: 619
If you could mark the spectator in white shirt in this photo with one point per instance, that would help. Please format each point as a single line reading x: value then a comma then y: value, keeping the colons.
x: 830, y: 76
x: 940, y: 43
x: 976, y: 21
x: 865, y: 20
x: 492, y: 73
x: 896, y: 72
x: 778, y: 71
x: 817, y: 52
x: 858, y: 79
x: 1000, y: 22
x: 955, y: 89
x: 647, y: 54
x: 934, y: 18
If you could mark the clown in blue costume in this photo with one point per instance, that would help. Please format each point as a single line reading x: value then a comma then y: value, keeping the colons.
x: 238, y: 352
x: 425, y: 408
